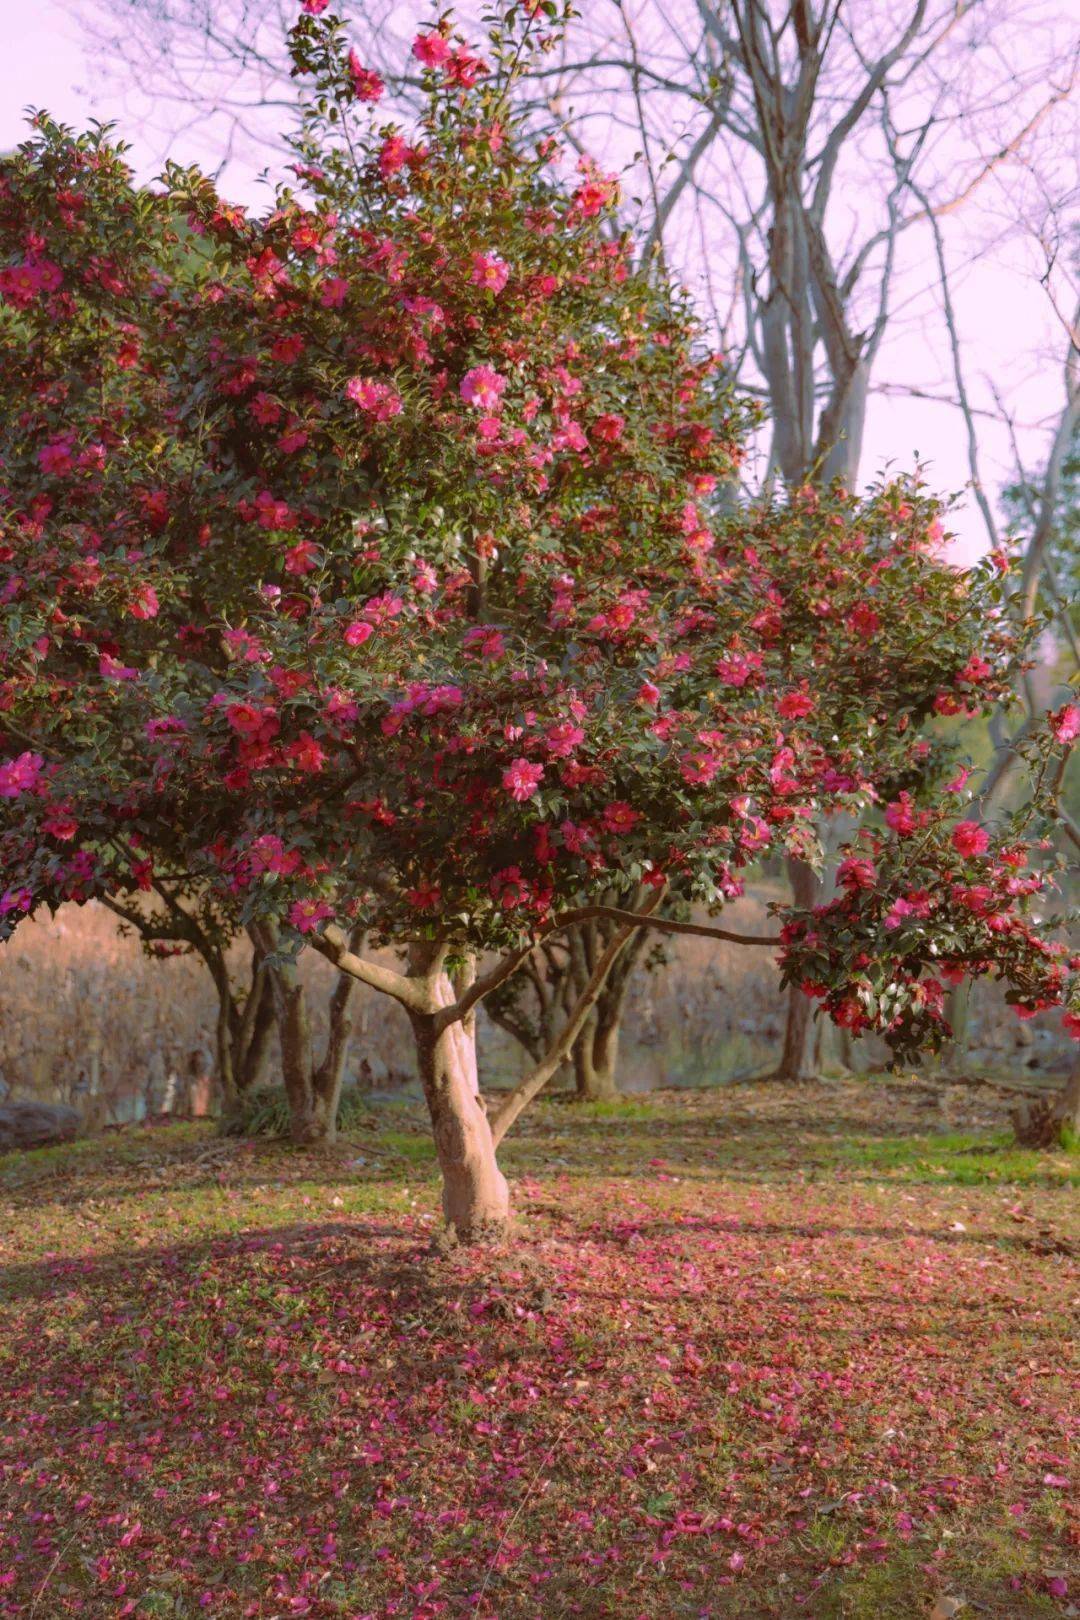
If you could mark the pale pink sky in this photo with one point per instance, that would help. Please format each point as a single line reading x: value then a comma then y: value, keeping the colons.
x: 1008, y: 330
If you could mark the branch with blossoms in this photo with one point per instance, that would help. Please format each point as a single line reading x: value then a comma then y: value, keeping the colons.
x: 931, y: 899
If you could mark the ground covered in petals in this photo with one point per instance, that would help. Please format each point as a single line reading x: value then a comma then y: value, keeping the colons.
x: 739, y: 1362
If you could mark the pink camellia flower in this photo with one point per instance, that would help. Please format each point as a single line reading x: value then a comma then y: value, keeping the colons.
x: 62, y: 826
x: 378, y: 399
x: 1070, y: 1023
x: 916, y: 904
x: 393, y: 156
x: 55, y: 457
x: 856, y: 873
x: 465, y: 69
x: 358, y: 632
x: 365, y: 81
x: 521, y: 779
x: 648, y: 694
x: 112, y: 670
x: 22, y: 899
x: 485, y: 641
x: 901, y: 816
x: 483, y: 387
x: 431, y: 49
x: 20, y: 775
x: 489, y: 272
x: 563, y: 739
x: 315, y: 8
x: 968, y: 838
x: 334, y: 291
x: 301, y: 558
x: 306, y: 915
x: 265, y: 409
x: 1066, y: 723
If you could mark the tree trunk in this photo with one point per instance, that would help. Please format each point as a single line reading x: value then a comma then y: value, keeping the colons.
x: 476, y: 1198
x: 314, y: 1092
x: 954, y: 1058
x: 797, y: 1060
x: 1070, y: 1103
x: 252, y: 1054
x: 596, y: 1052
x: 1041, y: 1122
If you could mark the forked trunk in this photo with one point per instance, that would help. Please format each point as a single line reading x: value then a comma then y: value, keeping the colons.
x: 313, y: 1089
x: 476, y: 1198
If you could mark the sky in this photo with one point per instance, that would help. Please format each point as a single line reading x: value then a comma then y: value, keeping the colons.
x: 1011, y: 338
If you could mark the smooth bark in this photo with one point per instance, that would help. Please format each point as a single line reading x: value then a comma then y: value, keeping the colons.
x: 798, y: 1056
x: 476, y: 1198
x: 596, y: 1054
x: 313, y: 1087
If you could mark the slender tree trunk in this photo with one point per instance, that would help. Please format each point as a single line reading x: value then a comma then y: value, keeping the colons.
x: 476, y: 1198
x: 308, y: 1120
x: 596, y: 1053
x: 954, y: 1059
x: 313, y: 1091
x: 797, y: 1060
x: 253, y: 1054
x: 223, y: 1060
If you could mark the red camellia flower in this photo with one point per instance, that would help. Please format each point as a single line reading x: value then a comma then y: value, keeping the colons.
x: 619, y: 817
x: 608, y: 428
x: 366, y: 83
x: 968, y: 838
x: 794, y: 705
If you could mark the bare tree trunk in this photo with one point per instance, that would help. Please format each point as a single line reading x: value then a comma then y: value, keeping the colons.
x: 797, y: 1060
x: 957, y: 1011
x: 308, y: 1121
x: 313, y: 1090
x: 476, y: 1198
x: 1070, y: 1103
x: 596, y: 1053
x: 1041, y: 1122
x: 251, y: 1071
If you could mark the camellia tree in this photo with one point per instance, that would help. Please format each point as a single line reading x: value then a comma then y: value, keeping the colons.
x: 360, y: 562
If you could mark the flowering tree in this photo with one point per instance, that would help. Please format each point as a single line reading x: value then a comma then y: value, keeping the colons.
x: 361, y: 563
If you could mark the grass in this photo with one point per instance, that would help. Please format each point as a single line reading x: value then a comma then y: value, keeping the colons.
x: 754, y: 1353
